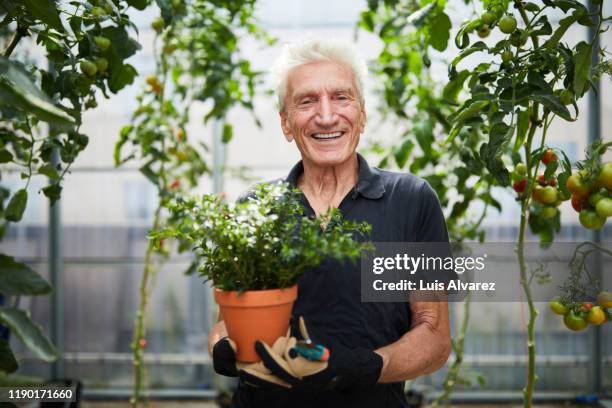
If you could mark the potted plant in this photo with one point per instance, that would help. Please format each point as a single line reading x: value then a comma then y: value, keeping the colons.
x: 254, y: 251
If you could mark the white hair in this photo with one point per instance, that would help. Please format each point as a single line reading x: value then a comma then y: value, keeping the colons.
x: 312, y: 49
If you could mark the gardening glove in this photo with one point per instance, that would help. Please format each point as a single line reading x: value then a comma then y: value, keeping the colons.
x: 254, y: 374
x: 346, y: 368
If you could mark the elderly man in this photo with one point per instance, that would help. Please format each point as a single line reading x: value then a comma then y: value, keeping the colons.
x: 374, y: 347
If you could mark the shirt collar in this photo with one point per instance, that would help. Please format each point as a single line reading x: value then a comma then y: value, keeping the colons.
x: 369, y: 179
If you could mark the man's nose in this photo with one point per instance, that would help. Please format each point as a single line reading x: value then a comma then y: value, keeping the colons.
x: 326, y: 114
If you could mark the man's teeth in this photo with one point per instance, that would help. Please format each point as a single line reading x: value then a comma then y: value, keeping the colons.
x: 327, y: 135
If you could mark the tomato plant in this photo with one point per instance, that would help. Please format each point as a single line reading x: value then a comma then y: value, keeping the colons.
x: 199, y: 60
x: 522, y: 82
x: 84, y: 48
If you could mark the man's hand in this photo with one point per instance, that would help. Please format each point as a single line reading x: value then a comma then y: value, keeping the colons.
x: 254, y: 374
x: 346, y: 368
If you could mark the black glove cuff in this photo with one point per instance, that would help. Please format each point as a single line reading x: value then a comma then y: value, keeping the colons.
x: 224, y: 358
x: 356, y: 368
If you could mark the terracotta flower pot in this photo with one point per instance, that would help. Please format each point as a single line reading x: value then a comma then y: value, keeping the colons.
x: 255, y: 315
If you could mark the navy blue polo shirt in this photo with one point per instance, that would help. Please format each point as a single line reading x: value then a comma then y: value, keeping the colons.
x: 401, y: 208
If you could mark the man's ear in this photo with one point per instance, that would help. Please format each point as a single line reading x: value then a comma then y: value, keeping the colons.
x: 285, y: 126
x: 364, y: 116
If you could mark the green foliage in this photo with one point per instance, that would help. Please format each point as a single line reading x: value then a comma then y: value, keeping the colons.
x: 513, y: 101
x: 264, y: 242
x: 423, y: 109
x: 29, y: 333
x: 17, y: 278
x: 56, y: 92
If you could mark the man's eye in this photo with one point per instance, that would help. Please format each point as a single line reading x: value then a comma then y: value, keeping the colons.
x: 306, y: 101
x: 343, y: 98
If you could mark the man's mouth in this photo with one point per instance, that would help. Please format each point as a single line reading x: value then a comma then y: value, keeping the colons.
x: 327, y: 136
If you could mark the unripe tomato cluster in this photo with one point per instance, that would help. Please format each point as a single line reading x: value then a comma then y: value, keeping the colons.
x: 488, y: 19
x: 592, y: 198
x: 577, y: 316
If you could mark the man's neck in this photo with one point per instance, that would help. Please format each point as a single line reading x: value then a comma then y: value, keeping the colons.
x: 325, y: 187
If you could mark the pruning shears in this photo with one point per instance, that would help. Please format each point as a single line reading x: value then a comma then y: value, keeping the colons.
x: 310, y: 351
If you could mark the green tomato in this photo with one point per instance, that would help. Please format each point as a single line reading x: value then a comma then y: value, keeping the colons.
x: 102, y: 42
x: 548, y: 195
x: 98, y: 12
x: 484, y: 31
x: 518, y: 38
x: 507, y: 56
x: 591, y: 220
x: 548, y: 212
x: 488, y: 18
x: 521, y: 168
x: 577, y: 186
x: 596, y: 196
x: 507, y: 24
x: 88, y: 68
x: 101, y: 64
x: 158, y: 24
x: 604, y: 207
x: 575, y: 321
x: 605, y: 176
x: 557, y: 307
x: 566, y: 96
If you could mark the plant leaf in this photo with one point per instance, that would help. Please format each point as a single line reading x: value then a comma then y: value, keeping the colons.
x: 8, y: 363
x: 418, y: 17
x: 552, y: 102
x: 18, y: 91
x: 29, y: 333
x: 45, y: 11
x: 17, y: 278
x: 16, y: 207
x: 582, y: 62
x: 440, y: 31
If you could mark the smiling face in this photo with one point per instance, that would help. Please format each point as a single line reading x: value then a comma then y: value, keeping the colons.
x: 323, y: 112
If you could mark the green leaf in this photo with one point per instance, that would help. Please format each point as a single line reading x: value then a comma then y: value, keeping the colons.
x: 121, y: 76
x: 149, y: 174
x: 17, y: 278
x: 16, y: 207
x: 582, y: 61
x: 45, y: 11
x: 552, y: 102
x: 452, y: 88
x: 18, y: 91
x: 440, y: 31
x: 402, y: 153
x: 418, y: 17
x: 564, y: 24
x: 5, y: 156
x: 473, y: 109
x: 138, y: 4
x: 522, y: 124
x: 53, y: 192
x: 49, y: 171
x: 477, y: 46
x: 29, y: 333
x: 228, y: 133
x: 123, y: 45
x: 8, y: 363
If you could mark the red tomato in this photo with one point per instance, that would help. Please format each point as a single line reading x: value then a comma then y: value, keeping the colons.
x: 519, y: 186
x: 549, y: 156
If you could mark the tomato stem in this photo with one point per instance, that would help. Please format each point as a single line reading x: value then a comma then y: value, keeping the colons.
x: 140, y: 328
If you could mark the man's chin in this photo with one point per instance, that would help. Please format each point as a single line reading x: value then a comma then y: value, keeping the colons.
x: 330, y: 159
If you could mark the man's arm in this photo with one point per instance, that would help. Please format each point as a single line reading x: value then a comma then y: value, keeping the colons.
x: 422, y: 350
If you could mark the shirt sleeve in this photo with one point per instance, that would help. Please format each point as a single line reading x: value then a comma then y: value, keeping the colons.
x: 432, y: 226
